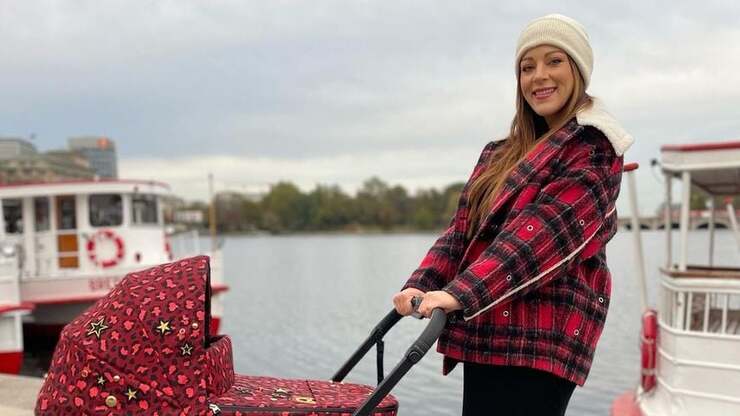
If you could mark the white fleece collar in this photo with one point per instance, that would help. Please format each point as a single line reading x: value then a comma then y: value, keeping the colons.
x: 597, y: 116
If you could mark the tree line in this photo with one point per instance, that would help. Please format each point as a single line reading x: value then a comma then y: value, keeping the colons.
x: 377, y: 206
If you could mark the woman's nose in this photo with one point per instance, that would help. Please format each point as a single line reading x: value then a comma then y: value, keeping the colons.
x: 540, y: 72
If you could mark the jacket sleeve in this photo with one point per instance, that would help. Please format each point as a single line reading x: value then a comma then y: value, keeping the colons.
x: 443, y: 258
x: 547, y: 234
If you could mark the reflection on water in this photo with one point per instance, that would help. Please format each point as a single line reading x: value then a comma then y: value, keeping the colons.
x: 299, y: 305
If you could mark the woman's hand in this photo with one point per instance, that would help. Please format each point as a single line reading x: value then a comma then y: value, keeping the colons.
x: 438, y: 299
x: 402, y: 300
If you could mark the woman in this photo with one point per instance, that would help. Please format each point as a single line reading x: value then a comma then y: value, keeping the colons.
x: 522, y: 268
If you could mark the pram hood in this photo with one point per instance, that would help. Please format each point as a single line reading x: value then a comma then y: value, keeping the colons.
x: 143, y: 348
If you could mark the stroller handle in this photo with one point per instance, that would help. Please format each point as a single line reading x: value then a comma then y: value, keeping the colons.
x: 416, y: 351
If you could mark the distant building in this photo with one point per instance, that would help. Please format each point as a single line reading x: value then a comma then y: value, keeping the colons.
x: 189, y: 216
x: 13, y: 147
x: 100, y: 152
x: 21, y: 163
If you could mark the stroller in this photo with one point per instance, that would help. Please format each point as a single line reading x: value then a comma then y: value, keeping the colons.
x: 145, y: 348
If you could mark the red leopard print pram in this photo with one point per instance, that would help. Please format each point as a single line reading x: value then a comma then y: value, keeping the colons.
x: 144, y: 350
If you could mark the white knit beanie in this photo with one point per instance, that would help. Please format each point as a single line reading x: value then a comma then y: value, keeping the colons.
x: 562, y: 32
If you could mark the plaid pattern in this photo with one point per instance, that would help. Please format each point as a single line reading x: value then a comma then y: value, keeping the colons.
x: 533, y: 280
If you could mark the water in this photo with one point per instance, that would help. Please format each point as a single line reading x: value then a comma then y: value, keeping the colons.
x: 300, y: 305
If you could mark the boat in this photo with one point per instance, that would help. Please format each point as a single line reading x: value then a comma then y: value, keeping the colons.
x: 64, y: 245
x: 690, y: 340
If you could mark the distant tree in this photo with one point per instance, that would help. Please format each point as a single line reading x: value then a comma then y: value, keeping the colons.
x: 285, y: 208
x: 329, y: 208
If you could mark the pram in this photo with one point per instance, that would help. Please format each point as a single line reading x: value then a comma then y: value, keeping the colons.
x: 145, y: 348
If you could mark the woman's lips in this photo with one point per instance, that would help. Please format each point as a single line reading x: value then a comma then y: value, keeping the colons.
x: 543, y: 93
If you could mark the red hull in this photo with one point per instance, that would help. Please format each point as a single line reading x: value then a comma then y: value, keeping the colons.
x: 10, y: 362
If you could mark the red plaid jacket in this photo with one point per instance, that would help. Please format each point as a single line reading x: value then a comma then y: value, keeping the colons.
x: 533, y: 280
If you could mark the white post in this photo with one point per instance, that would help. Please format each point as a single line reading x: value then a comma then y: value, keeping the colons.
x: 711, y: 230
x: 705, y: 326
x: 725, y: 305
x: 637, y: 239
x: 29, y: 237
x: 668, y: 220
x: 733, y: 221
x: 685, y: 202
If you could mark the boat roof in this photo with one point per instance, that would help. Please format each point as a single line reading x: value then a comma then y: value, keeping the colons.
x: 120, y: 186
x: 714, y: 166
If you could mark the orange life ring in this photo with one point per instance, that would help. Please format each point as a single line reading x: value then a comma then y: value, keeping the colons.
x: 100, y: 236
x: 649, y: 349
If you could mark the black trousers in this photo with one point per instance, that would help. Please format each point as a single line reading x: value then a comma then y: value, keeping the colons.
x: 490, y: 390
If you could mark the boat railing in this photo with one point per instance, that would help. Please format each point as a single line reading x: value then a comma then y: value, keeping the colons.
x: 189, y: 243
x: 705, y: 305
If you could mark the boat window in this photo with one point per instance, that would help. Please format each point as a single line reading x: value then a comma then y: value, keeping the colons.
x: 13, y: 216
x: 66, y: 212
x: 41, y: 213
x: 144, y: 209
x: 106, y: 210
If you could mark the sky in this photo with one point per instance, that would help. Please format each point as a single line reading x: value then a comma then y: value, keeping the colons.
x: 334, y: 92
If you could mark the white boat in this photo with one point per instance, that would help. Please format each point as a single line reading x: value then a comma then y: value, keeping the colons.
x: 691, y: 341
x: 63, y: 245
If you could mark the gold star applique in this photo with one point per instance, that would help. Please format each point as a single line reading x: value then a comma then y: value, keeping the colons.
x: 164, y: 327
x: 96, y: 328
x: 101, y: 380
x: 131, y: 393
x: 186, y: 349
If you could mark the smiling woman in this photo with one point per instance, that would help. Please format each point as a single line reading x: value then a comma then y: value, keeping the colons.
x: 522, y: 269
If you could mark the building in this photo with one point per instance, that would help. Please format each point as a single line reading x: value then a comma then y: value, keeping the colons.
x: 21, y: 163
x: 13, y: 147
x: 99, y: 151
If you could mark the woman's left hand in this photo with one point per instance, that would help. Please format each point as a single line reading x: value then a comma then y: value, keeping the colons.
x: 438, y: 299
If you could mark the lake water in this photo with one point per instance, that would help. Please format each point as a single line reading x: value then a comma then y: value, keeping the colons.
x: 300, y: 305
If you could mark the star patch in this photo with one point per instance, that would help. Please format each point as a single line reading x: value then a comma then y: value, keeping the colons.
x: 164, y: 327
x: 131, y: 393
x: 101, y: 380
x: 186, y: 349
x: 96, y: 328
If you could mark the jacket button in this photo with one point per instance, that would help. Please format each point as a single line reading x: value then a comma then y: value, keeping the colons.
x: 576, y: 332
x: 508, y: 278
x: 111, y: 401
x: 506, y: 313
x: 530, y: 228
x: 581, y: 222
x: 601, y: 300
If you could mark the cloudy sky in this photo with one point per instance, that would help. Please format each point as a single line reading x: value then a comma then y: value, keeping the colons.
x: 334, y: 92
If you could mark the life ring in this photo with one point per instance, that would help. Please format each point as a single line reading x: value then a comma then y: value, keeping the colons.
x: 648, y: 349
x: 100, y: 236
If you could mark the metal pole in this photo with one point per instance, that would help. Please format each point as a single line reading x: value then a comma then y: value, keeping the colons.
x: 637, y: 239
x: 711, y: 230
x: 685, y: 201
x: 212, y: 214
x: 733, y: 221
x: 668, y: 220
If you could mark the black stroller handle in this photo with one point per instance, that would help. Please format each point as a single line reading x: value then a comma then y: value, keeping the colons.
x: 415, y: 353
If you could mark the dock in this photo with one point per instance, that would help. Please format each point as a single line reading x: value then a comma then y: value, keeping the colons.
x: 18, y: 394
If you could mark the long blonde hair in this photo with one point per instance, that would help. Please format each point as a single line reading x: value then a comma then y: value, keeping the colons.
x: 523, y: 135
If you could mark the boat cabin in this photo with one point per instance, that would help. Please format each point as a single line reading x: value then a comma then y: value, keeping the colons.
x: 696, y: 370
x: 81, y: 228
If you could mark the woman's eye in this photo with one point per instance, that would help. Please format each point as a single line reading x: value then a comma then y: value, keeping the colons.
x: 527, y: 68
x: 556, y: 61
